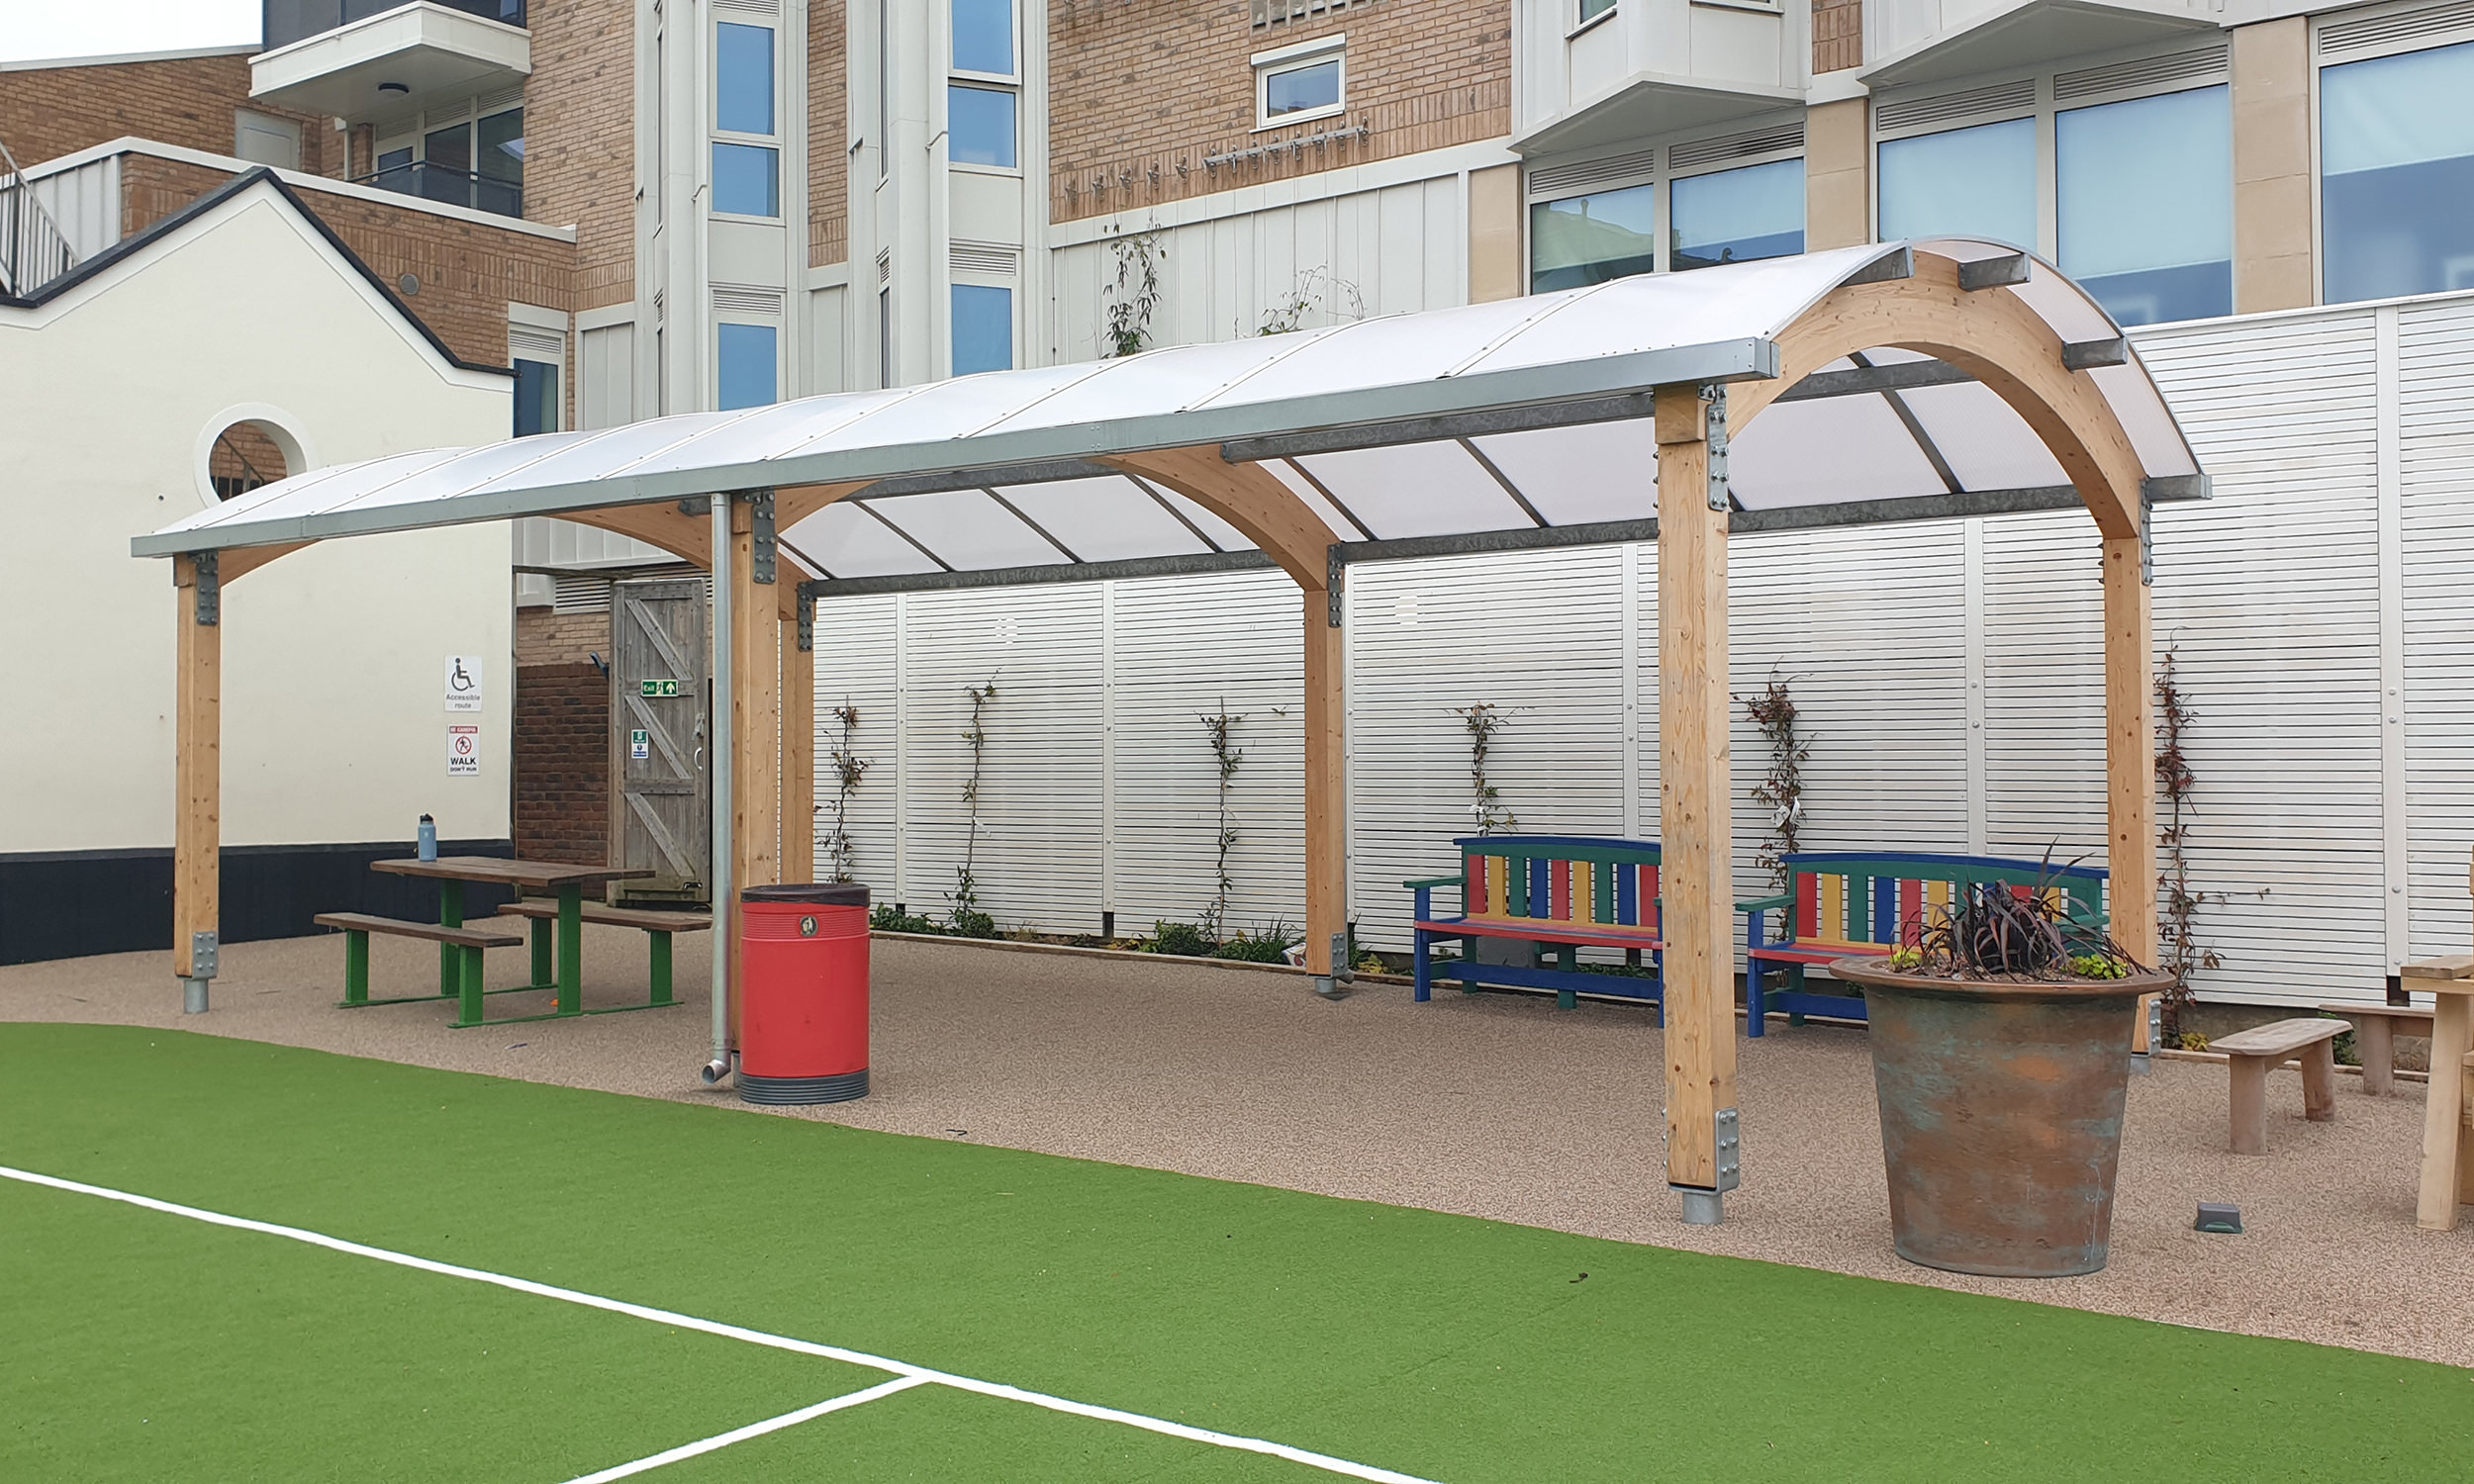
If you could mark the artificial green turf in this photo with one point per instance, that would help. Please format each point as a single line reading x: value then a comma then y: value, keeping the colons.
x: 1440, y: 1345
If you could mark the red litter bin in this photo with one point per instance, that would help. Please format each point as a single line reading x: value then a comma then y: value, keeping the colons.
x: 804, y: 994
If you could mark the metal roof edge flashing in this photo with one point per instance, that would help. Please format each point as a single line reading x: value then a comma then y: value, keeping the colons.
x: 2176, y: 489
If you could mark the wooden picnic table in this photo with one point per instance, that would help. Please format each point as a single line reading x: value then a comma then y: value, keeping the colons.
x: 565, y: 878
x: 2447, y: 1154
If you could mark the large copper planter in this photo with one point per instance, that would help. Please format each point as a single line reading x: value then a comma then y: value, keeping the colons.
x: 2001, y: 1115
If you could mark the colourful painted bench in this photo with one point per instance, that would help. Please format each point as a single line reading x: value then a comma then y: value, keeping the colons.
x: 1572, y: 891
x: 1846, y: 904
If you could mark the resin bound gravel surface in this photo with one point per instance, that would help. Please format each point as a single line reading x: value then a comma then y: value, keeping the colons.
x: 1494, y: 1106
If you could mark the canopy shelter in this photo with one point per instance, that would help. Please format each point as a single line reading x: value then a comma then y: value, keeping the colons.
x: 1872, y: 383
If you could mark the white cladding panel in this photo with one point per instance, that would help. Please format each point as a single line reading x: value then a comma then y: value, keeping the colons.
x: 858, y: 660
x: 2436, y: 466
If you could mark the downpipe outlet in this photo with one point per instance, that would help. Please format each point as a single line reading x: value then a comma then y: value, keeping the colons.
x: 714, y: 1070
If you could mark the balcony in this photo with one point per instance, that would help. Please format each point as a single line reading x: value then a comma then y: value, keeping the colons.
x: 1647, y: 67
x: 430, y: 182
x: 334, y: 56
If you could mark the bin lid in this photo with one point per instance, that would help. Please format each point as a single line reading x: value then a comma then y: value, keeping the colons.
x: 820, y: 894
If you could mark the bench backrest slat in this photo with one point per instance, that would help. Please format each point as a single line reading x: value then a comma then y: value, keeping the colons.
x: 1878, y: 897
x: 1561, y: 879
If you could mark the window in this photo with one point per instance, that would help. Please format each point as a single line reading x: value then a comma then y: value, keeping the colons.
x: 983, y: 329
x: 1591, y: 238
x: 980, y: 126
x: 499, y: 175
x: 1294, y: 84
x: 2143, y: 200
x: 885, y: 336
x: 884, y: 88
x: 743, y: 81
x: 747, y: 364
x: 1591, y: 10
x: 744, y: 178
x: 746, y: 175
x: 983, y: 37
x: 536, y: 398
x: 2397, y: 174
x: 456, y: 156
x: 1975, y: 182
x: 1737, y: 216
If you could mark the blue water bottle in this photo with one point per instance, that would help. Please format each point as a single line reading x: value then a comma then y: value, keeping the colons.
x: 428, y: 847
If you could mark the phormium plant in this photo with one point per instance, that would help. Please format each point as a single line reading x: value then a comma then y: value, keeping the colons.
x: 1989, y: 931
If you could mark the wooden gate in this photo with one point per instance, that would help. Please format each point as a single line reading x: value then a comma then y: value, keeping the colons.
x: 660, y: 705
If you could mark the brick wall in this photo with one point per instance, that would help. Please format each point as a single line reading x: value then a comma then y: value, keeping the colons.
x: 828, y: 136
x: 563, y: 762
x: 49, y: 112
x: 1837, y: 34
x: 467, y: 272
x: 1141, y: 94
x: 545, y: 637
x: 579, y: 142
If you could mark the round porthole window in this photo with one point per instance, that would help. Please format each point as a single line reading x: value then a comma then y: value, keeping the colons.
x: 245, y: 456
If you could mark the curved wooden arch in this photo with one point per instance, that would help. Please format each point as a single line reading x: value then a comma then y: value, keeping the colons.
x: 1991, y: 335
x: 1249, y: 498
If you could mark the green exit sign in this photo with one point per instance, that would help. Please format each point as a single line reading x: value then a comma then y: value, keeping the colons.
x: 658, y: 688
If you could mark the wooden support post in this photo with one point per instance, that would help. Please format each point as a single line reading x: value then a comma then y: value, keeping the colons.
x: 799, y: 753
x: 1694, y: 807
x: 2130, y: 757
x: 755, y: 735
x: 198, y: 778
x: 1326, y: 785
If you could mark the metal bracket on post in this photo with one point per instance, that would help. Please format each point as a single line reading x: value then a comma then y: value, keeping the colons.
x: 1707, y: 1207
x: 760, y: 524
x: 1335, y: 580
x: 209, y: 569
x: 807, y: 620
x: 1714, y: 414
x: 2146, y: 544
x: 200, y: 970
x: 2141, y: 1061
x: 1342, y: 972
x: 699, y: 506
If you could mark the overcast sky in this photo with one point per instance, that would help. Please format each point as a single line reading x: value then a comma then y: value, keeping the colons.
x: 32, y: 28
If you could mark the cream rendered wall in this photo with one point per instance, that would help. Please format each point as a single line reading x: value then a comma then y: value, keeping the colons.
x: 334, y: 726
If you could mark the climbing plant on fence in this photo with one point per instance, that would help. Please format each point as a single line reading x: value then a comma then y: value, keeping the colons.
x: 1134, y: 293
x: 841, y: 852
x: 1781, y: 790
x: 1220, y: 727
x: 1484, y: 719
x: 965, y: 918
x: 2179, y: 948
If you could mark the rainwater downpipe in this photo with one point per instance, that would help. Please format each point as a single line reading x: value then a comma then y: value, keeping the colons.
x: 724, y: 748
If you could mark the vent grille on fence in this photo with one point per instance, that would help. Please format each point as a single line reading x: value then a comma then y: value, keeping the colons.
x: 750, y: 7
x: 984, y: 257
x: 2001, y: 98
x: 1700, y: 153
x: 1277, y: 12
x: 745, y: 298
x: 659, y: 308
x: 589, y: 592
x: 2201, y: 66
x: 529, y: 343
x: 2403, y: 25
x: 885, y: 267
x: 1560, y: 180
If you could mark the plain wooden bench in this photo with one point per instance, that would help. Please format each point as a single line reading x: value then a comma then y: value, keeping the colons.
x: 656, y: 923
x: 2249, y: 1056
x: 2375, y: 1039
x: 1564, y: 893
x: 1849, y: 905
x: 464, y: 942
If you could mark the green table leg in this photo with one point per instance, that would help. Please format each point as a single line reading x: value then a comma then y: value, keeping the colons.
x: 544, y: 932
x: 571, y: 950
x: 468, y: 986
x: 450, y: 915
x: 661, y: 968
x: 355, y: 967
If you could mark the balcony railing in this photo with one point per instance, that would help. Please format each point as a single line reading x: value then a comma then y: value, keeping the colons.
x: 289, y: 21
x: 32, y: 252
x: 485, y: 192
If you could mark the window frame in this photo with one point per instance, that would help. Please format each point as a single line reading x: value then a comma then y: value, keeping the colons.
x: 1298, y: 56
x: 1008, y: 84
x: 747, y: 322
x: 716, y: 135
x: 1013, y: 319
x: 2402, y: 46
x: 1662, y: 174
x: 409, y: 133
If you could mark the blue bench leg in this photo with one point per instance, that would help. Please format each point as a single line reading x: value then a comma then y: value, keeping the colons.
x: 1755, y: 1000
x: 1420, y: 971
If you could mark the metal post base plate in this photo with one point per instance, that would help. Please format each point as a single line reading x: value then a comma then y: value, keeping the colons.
x: 1703, y: 1208
x: 193, y: 996
x: 1325, y: 987
x: 2139, y: 1062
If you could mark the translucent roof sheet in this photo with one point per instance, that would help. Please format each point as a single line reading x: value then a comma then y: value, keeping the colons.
x: 1008, y: 457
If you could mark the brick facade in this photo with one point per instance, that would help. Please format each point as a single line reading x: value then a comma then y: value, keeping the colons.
x: 1140, y: 96
x: 563, y: 762
x: 545, y: 637
x: 829, y: 135
x: 1837, y: 34
x: 579, y: 142
x: 49, y: 112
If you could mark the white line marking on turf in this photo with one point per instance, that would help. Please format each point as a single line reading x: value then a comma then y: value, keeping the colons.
x: 753, y: 1429
x: 1159, y: 1425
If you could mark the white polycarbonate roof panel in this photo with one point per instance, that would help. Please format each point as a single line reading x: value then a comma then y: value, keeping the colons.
x: 1485, y: 365
x: 1105, y: 520
x: 1800, y: 452
x: 850, y: 542
x: 1220, y: 533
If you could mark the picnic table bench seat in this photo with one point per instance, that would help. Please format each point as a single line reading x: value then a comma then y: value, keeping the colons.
x: 465, y: 944
x: 655, y: 922
x: 2376, y: 1029
x: 2249, y: 1055
x: 1562, y: 893
x: 1845, y: 904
